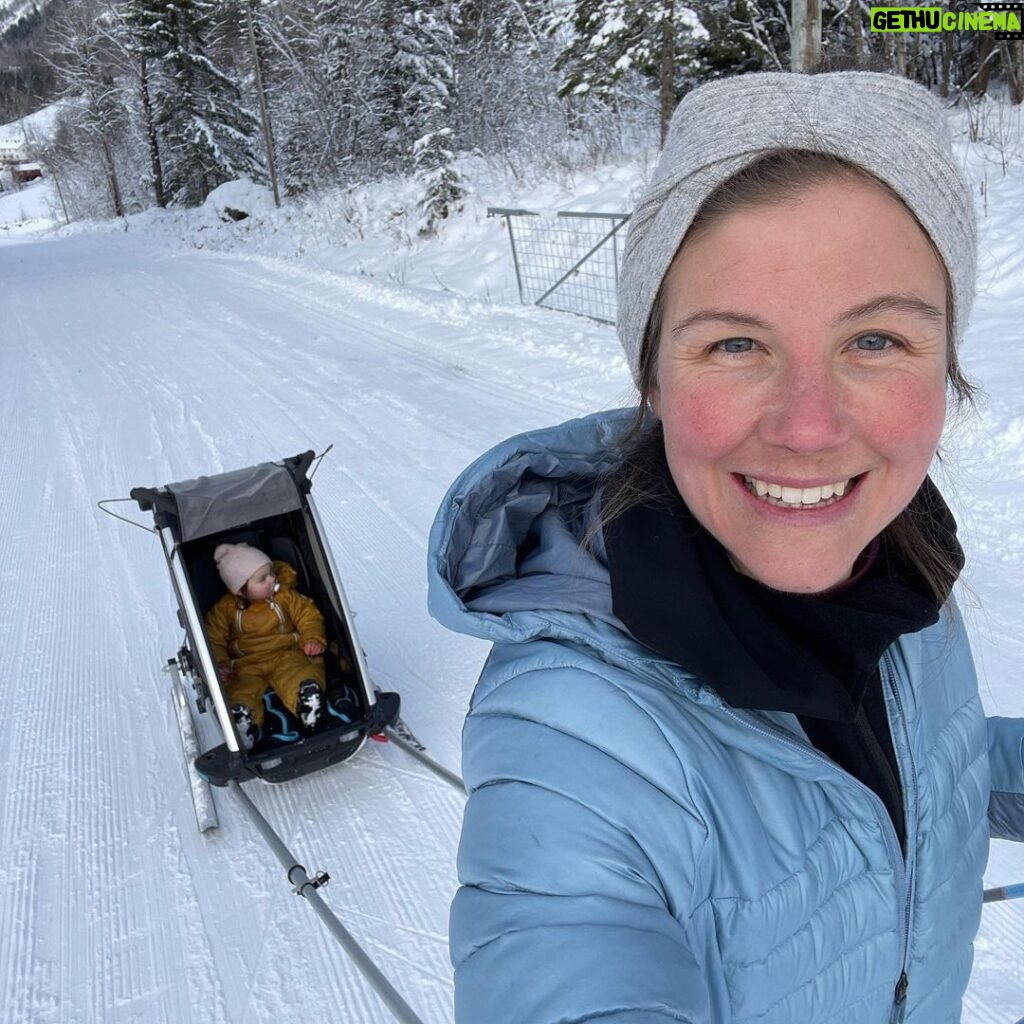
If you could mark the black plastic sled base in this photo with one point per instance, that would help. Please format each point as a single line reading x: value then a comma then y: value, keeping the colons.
x: 287, y: 761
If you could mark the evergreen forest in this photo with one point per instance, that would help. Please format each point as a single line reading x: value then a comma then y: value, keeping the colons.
x: 164, y: 100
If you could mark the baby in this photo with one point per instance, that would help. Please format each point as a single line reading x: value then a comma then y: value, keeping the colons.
x: 265, y: 635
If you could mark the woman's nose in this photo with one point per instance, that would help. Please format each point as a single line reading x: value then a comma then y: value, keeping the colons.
x: 807, y: 410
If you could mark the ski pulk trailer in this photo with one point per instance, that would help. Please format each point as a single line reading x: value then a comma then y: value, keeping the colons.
x: 269, y: 506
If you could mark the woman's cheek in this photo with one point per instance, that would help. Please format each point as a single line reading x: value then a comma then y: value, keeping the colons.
x: 704, y: 419
x: 910, y: 414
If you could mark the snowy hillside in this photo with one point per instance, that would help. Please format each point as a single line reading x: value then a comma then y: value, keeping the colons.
x: 172, y: 346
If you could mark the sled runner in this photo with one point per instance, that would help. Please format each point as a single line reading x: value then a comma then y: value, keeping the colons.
x: 268, y: 506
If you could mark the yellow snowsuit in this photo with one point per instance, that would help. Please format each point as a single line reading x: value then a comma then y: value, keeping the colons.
x: 261, y: 642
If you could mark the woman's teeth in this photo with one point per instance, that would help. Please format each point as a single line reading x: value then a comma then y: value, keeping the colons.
x: 796, y: 497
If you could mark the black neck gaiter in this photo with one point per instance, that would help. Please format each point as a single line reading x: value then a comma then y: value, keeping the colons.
x: 675, y: 589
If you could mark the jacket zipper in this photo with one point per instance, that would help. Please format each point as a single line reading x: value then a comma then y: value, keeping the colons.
x: 902, y: 869
x: 910, y: 792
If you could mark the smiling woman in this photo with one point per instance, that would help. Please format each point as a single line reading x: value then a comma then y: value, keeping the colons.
x: 837, y: 379
x: 727, y: 760
x: 804, y: 199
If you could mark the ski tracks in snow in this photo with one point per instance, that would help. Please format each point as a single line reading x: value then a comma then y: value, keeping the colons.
x: 138, y: 369
x: 98, y: 938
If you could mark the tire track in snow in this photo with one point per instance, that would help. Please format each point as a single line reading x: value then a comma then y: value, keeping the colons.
x: 234, y: 357
x: 388, y: 341
x: 41, y: 706
x: 417, y: 326
x: 130, y: 973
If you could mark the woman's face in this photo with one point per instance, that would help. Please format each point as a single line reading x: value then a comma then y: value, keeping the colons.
x: 801, y: 378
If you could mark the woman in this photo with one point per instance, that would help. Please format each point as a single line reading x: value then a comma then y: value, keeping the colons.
x: 727, y: 760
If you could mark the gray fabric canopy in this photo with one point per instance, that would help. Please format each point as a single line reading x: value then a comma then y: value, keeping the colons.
x: 211, y: 504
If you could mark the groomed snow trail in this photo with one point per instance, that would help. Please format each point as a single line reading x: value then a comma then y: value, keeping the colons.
x: 123, y: 366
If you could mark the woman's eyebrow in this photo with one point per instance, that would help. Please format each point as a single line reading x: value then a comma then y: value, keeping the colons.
x: 892, y: 304
x: 882, y: 304
x: 703, y: 316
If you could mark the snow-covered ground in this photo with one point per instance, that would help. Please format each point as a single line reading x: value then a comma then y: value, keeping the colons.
x: 25, y: 213
x: 182, y: 346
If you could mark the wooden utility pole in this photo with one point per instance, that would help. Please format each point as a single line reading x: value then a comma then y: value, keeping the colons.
x: 805, y: 35
x: 268, y: 138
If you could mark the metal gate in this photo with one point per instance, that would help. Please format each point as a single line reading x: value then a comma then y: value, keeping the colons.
x: 567, y: 261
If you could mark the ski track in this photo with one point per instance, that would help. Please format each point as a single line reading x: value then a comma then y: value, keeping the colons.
x: 138, y: 367
x: 154, y: 923
x: 122, y: 901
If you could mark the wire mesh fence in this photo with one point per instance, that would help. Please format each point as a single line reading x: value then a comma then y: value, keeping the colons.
x: 567, y: 261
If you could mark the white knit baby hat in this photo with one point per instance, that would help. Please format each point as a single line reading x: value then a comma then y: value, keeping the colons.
x: 237, y: 562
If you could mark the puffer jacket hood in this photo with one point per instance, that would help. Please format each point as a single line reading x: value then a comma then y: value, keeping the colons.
x: 506, y: 560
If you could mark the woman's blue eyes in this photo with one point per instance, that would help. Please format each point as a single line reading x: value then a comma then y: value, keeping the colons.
x: 736, y: 346
x: 865, y: 343
x: 874, y: 342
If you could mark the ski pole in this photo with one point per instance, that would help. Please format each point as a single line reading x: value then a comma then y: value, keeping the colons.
x: 1004, y: 892
x: 402, y: 735
x: 307, y: 888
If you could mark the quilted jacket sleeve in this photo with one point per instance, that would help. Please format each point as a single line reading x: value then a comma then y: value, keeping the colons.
x: 1006, y: 759
x: 562, y: 916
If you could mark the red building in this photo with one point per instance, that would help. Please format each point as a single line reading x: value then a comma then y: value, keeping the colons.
x: 26, y: 172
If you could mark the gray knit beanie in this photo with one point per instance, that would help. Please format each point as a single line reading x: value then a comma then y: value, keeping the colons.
x: 889, y: 126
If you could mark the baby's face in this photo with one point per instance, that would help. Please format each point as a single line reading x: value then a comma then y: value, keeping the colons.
x: 260, y: 584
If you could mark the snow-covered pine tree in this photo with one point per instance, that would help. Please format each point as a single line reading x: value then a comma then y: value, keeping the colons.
x: 425, y: 44
x: 608, y: 39
x: 141, y: 20
x: 506, y: 96
x: 207, y: 133
x: 747, y: 35
x: 503, y: 23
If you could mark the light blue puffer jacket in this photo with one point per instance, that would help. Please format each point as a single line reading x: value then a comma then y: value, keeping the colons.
x: 634, y: 851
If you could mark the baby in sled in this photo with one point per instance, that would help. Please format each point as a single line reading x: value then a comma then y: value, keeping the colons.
x: 266, y: 635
